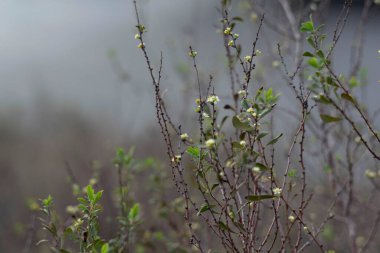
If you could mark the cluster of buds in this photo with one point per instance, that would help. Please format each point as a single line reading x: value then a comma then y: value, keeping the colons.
x: 277, y: 191
x: 371, y: 174
x: 198, y: 102
x: 184, y: 136
x: 275, y: 64
x: 242, y: 93
x: 210, y: 143
x: 251, y: 111
x: 234, y: 36
x: 227, y: 31
x: 193, y: 53
x: 177, y: 158
x: 141, y: 29
x: 213, y: 99
x: 248, y: 58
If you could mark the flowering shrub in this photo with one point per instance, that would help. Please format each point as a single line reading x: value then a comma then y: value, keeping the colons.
x: 231, y: 179
x: 245, y: 184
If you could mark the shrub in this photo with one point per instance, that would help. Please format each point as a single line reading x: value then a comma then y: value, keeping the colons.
x: 247, y: 184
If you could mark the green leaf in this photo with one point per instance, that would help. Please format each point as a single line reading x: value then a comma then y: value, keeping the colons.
x: 253, y: 198
x: 310, y: 40
x: 193, y: 152
x: 308, y: 54
x: 328, y: 119
x: 353, y: 82
x: 82, y: 200
x: 105, y: 248
x: 48, y: 201
x: 223, y: 121
x: 82, y: 207
x: 214, y: 186
x: 237, y: 145
x: 322, y: 99
x: 275, y: 139
x: 225, y: 2
x: 262, y: 135
x: 240, y: 19
x: 258, y: 92
x: 204, y: 208
x: 328, y: 233
x: 348, y: 97
x: 307, y: 26
x: 245, y: 104
x: 90, y: 193
x: 313, y: 62
x: 260, y: 166
x: 98, y: 196
x: 134, y: 212
x: 245, y: 126
x: 292, y: 173
x: 329, y: 80
x: 266, y: 111
x: 223, y: 226
x: 321, y: 54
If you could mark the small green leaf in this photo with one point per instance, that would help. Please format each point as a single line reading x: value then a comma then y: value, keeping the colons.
x: 253, y: 198
x: 328, y: 233
x: 310, y: 40
x: 82, y: 207
x: 223, y: 226
x: 292, y: 173
x: 262, y: 135
x: 348, y: 97
x: 90, y: 193
x: 82, y: 200
x: 260, y: 167
x: 266, y: 111
x: 48, y: 201
x: 353, y: 82
x: 313, y: 62
x: 214, y: 186
x: 193, y: 152
x: 322, y: 99
x: 223, y: 121
x: 275, y: 140
x: 307, y: 26
x: 245, y: 126
x: 308, y: 54
x: 237, y: 145
x: 105, y: 248
x: 245, y: 104
x: 240, y: 19
x: 204, y: 208
x: 329, y: 80
x: 225, y: 2
x: 321, y: 54
x: 258, y: 92
x: 134, y: 212
x: 328, y: 119
x: 98, y: 196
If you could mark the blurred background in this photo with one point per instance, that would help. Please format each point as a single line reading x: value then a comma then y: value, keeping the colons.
x: 74, y: 86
